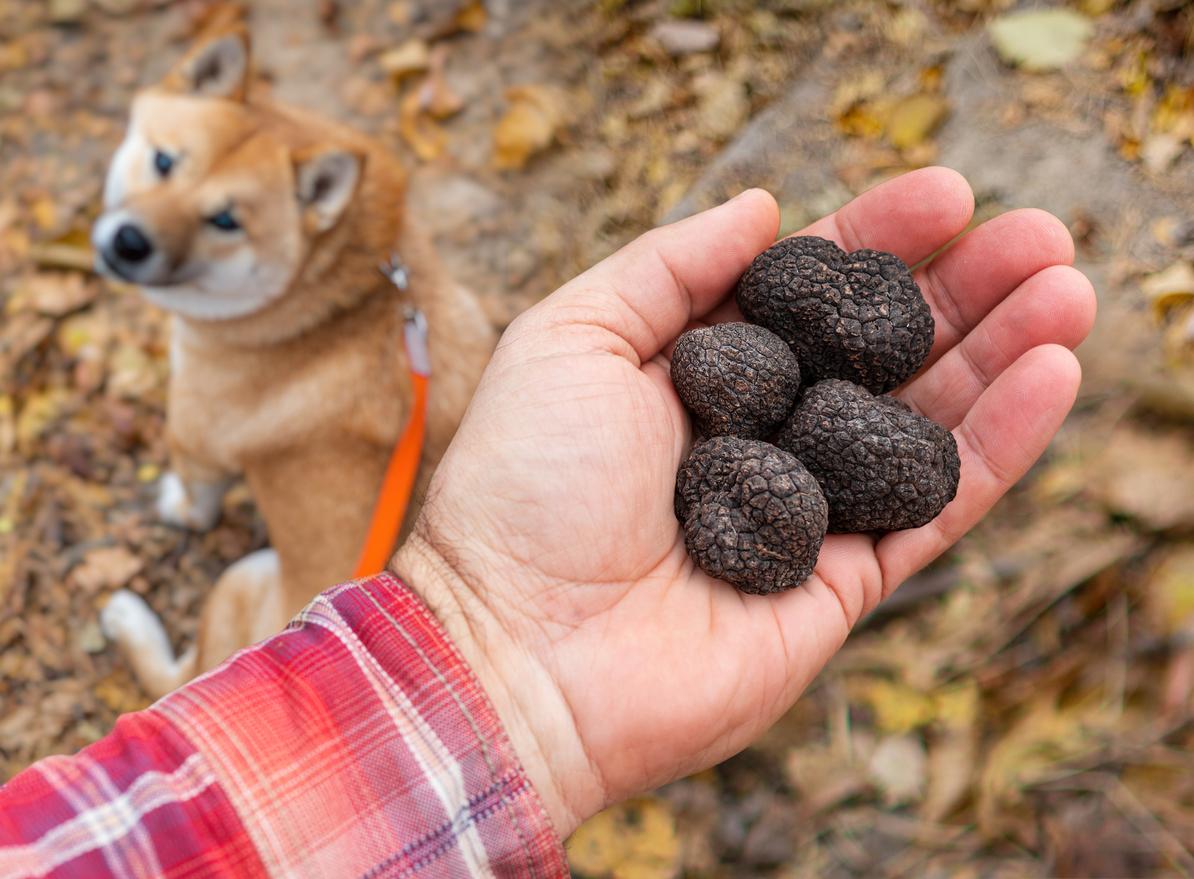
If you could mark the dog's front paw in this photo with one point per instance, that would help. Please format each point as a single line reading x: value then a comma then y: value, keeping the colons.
x: 196, y: 507
x: 128, y: 621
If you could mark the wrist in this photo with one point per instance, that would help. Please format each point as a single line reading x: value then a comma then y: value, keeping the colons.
x: 525, y: 694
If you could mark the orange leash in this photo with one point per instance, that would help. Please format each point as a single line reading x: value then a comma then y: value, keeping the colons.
x: 399, y: 482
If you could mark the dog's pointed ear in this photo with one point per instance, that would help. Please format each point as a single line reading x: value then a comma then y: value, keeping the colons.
x: 326, y: 180
x: 217, y: 67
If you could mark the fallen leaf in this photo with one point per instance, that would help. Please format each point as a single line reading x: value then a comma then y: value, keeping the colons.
x: 67, y: 11
x: 952, y: 765
x: 411, y: 57
x: 419, y: 130
x: 914, y: 118
x: 471, y: 17
x: 1169, y: 288
x: 1147, y: 475
x: 897, y: 707
x: 1040, y: 39
x: 1031, y: 750
x: 898, y: 767
x: 8, y: 425
x: 633, y: 840
x: 1169, y: 595
x: 723, y: 105
x: 684, y: 37
x: 108, y: 567
x: 1159, y: 151
x: 55, y: 294
x: 529, y: 125
x: 39, y: 411
x: 133, y: 373
x: 119, y: 695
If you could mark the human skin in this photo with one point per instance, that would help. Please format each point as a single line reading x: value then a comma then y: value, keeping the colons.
x: 548, y: 546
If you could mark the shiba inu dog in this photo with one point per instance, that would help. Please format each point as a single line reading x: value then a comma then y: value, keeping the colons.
x: 261, y: 228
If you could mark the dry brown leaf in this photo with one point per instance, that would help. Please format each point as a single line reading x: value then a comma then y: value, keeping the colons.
x: 471, y: 17
x: 1149, y: 476
x: 108, y: 567
x: 54, y: 294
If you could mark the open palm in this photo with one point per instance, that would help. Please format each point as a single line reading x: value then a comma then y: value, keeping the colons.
x: 548, y: 544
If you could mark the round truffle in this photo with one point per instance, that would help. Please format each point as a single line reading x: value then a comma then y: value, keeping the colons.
x: 855, y: 316
x: 752, y: 514
x: 737, y: 379
x: 881, y: 466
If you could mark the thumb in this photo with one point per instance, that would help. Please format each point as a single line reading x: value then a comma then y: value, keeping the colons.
x: 648, y: 291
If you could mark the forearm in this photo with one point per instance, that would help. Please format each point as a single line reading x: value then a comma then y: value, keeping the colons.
x: 357, y: 742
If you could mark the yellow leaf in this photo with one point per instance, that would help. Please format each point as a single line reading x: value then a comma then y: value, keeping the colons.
x: 1040, y: 39
x: 957, y: 705
x: 634, y: 840
x: 119, y: 694
x: 914, y: 118
x: 8, y: 425
x: 528, y: 126
x: 413, y: 56
x: 39, y: 412
x: 44, y: 213
x: 1169, y: 288
x: 898, y: 708
x: 1170, y: 593
x: 855, y: 90
x: 419, y: 130
x: 1031, y: 751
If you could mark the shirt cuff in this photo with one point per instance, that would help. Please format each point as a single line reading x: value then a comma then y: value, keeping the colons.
x: 358, y: 742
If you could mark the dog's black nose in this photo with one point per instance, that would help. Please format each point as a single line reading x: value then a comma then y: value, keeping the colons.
x: 130, y: 244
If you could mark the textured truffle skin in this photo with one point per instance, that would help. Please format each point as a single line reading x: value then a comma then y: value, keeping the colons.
x: 737, y: 379
x: 855, y: 316
x: 752, y: 514
x: 881, y: 466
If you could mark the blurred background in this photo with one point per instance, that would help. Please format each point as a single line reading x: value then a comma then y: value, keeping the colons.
x: 1021, y: 709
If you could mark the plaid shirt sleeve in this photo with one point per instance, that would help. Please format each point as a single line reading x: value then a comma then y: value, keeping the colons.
x: 357, y: 743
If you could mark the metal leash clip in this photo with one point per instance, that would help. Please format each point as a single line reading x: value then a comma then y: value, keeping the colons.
x: 395, y: 271
x: 414, y: 320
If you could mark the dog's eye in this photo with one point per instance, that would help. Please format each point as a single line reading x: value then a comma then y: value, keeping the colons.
x: 224, y: 221
x: 163, y: 163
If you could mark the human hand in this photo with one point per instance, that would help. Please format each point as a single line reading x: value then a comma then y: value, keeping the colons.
x: 548, y: 546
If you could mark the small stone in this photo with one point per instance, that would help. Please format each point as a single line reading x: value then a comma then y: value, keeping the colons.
x: 682, y: 37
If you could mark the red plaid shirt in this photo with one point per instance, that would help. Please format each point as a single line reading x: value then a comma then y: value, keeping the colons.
x: 356, y: 743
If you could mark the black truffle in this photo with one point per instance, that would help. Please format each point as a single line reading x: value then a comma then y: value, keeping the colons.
x: 881, y: 466
x: 752, y: 514
x: 856, y: 316
x: 737, y: 379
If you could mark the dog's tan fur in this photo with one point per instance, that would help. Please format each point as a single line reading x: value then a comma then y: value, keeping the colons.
x: 307, y: 394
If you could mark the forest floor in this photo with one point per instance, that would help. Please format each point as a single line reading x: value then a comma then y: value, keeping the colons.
x: 1023, y: 708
